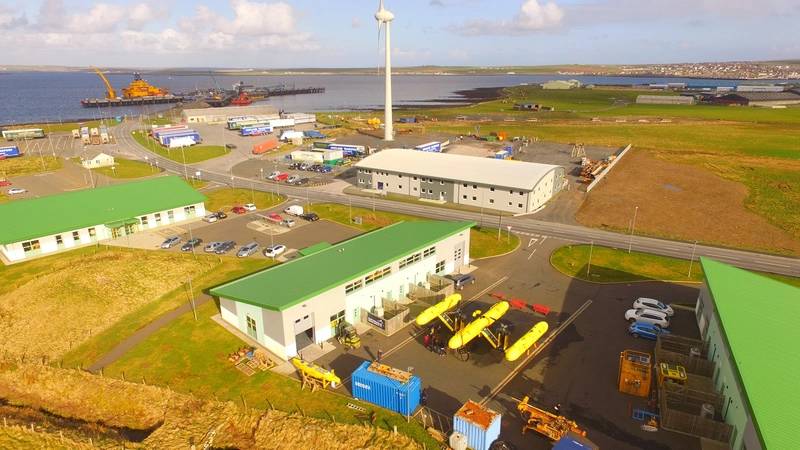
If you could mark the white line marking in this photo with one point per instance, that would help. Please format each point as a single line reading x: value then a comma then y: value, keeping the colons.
x: 531, y: 255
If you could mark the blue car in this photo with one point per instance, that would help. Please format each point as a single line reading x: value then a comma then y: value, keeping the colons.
x: 646, y: 330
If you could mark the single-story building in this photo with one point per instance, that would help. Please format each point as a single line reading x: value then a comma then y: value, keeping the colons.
x: 506, y: 185
x: 749, y: 323
x: 759, y: 98
x: 665, y: 100
x: 98, y: 160
x: 561, y: 84
x: 221, y: 115
x: 301, y: 302
x: 39, y: 226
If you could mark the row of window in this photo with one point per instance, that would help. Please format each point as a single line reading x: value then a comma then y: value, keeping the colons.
x: 428, y: 252
x: 386, y: 271
x: 377, y: 275
x: 416, y: 257
x: 491, y: 188
x: 491, y: 201
x: 354, y: 286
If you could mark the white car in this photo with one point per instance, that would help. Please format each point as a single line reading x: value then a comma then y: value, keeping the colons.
x: 211, y: 218
x: 274, y: 250
x: 250, y: 207
x: 273, y: 175
x: 647, y: 316
x: 655, y: 305
x: 15, y: 191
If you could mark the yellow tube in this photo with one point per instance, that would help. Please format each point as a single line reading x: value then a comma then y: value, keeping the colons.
x: 474, y: 328
x: 438, y: 309
x: 526, y: 341
x: 315, y: 371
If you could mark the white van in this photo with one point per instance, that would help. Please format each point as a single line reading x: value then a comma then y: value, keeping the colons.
x: 294, y: 210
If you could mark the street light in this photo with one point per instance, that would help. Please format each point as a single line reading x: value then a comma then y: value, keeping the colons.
x: 508, y: 236
x: 691, y: 260
x: 633, y: 228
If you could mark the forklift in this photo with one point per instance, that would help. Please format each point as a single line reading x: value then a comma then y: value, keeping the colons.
x: 346, y: 335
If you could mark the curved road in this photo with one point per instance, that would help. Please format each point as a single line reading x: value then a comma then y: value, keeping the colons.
x: 744, y: 259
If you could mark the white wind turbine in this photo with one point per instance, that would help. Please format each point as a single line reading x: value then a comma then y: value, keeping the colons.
x: 385, y: 17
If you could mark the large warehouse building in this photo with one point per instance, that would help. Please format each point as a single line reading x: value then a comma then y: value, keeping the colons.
x: 749, y: 323
x: 290, y: 306
x: 44, y: 225
x: 513, y: 186
x: 221, y: 115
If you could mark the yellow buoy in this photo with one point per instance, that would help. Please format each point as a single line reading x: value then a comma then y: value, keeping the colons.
x: 474, y: 328
x: 526, y: 341
x: 438, y: 309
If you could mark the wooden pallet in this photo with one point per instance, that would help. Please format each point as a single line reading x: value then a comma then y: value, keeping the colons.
x: 390, y: 372
x: 245, y: 367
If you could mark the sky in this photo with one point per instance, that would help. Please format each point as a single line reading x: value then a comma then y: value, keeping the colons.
x: 343, y: 33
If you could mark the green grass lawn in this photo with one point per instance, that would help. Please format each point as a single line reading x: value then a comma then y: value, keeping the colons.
x: 191, y: 357
x: 28, y: 165
x: 68, y: 126
x: 611, y: 265
x: 128, y: 168
x: 227, y: 198
x: 483, y: 241
x: 195, y: 153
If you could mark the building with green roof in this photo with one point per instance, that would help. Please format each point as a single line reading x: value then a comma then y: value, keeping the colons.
x: 295, y: 304
x: 749, y: 323
x: 44, y: 225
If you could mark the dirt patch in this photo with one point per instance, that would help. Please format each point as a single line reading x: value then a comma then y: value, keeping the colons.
x: 680, y: 201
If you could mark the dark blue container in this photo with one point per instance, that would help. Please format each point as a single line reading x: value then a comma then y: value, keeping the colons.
x: 386, y: 392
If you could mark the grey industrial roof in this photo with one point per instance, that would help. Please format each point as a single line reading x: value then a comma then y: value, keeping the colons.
x: 767, y: 96
x: 232, y: 111
x: 460, y: 168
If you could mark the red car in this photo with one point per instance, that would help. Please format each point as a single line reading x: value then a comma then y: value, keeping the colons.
x: 275, y: 217
x: 4, y: 183
x: 282, y: 177
x: 238, y: 210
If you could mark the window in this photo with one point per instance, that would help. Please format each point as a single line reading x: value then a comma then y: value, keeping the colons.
x: 354, y: 286
x: 474, y: 186
x: 411, y: 260
x: 400, y: 186
x: 400, y: 176
x: 251, y: 327
x: 337, y: 318
x: 171, y: 215
x: 428, y: 252
x: 415, y: 189
x: 441, y: 182
x: 521, y: 193
x: 491, y: 200
x: 76, y: 236
x: 519, y: 205
x: 465, y: 184
x: 491, y: 189
x: 377, y: 275
x: 92, y: 233
x: 509, y: 203
x: 144, y: 220
x: 30, y: 246
x: 415, y: 178
x: 474, y: 198
x: 440, y: 267
x: 511, y: 192
x: 464, y: 197
x: 158, y: 218
x: 59, y: 240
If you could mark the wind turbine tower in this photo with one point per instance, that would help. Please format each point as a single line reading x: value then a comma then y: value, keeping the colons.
x: 385, y: 17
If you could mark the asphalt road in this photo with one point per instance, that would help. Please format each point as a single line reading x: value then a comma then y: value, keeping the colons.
x: 521, y: 225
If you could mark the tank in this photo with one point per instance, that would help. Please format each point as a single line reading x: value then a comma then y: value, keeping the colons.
x: 388, y: 392
x: 480, y: 425
x: 458, y: 441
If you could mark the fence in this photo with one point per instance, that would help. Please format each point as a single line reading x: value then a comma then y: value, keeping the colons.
x: 679, y: 350
x: 608, y: 169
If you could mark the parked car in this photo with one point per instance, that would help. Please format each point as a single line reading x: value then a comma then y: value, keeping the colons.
x: 647, y: 316
x: 247, y: 250
x: 170, y: 242
x: 190, y: 244
x: 292, y: 179
x: 460, y: 280
x: 273, y: 175
x: 275, y: 217
x: 282, y: 177
x: 225, y: 247
x: 230, y: 146
x: 646, y: 330
x: 212, y: 247
x: 221, y: 215
x: 651, y: 303
x: 294, y: 166
x: 311, y: 217
x: 315, y: 168
x: 4, y: 183
x: 211, y: 218
x: 274, y: 250
x: 288, y: 222
x: 304, y: 166
x: 238, y: 209
x: 250, y: 207
x: 294, y: 210
x: 326, y: 169
x: 301, y: 182
x: 15, y: 191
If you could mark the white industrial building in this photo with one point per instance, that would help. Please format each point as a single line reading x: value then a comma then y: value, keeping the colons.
x: 301, y: 302
x: 40, y: 226
x: 665, y: 100
x: 513, y: 186
x: 99, y: 159
x: 221, y: 115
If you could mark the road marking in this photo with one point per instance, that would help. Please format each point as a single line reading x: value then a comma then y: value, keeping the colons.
x: 531, y: 255
x: 521, y: 366
x: 532, y: 241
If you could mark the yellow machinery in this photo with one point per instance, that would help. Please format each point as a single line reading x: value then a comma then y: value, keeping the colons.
x: 374, y: 122
x: 671, y: 373
x: 635, y: 373
x: 346, y: 335
x: 544, y: 422
x: 315, y: 376
x: 110, y: 92
x: 140, y: 88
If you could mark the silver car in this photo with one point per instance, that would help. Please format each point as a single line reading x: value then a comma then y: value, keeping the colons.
x: 170, y: 242
x: 247, y: 250
x: 212, y: 247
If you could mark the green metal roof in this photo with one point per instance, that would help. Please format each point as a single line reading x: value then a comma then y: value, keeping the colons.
x: 117, y: 203
x: 758, y: 316
x: 310, y: 250
x: 288, y: 284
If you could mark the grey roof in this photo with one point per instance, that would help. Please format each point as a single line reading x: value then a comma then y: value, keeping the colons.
x: 460, y: 168
x: 232, y: 111
x: 768, y: 96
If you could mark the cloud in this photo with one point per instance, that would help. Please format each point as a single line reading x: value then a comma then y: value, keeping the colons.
x: 533, y: 16
x: 9, y: 19
x: 436, y: 3
x: 356, y: 22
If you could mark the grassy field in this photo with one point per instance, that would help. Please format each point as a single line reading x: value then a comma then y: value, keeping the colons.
x: 64, y: 127
x: 27, y: 165
x: 227, y: 198
x: 45, y: 303
x: 195, y: 153
x: 128, y: 168
x: 191, y: 356
x: 483, y: 241
x: 611, y: 265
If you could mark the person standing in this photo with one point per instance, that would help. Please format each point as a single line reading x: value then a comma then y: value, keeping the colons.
x: 379, y: 356
x: 426, y: 340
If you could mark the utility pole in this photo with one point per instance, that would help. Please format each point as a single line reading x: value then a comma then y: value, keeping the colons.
x: 499, y: 224
x: 191, y: 299
x: 633, y: 229
x: 691, y: 260
x: 589, y: 265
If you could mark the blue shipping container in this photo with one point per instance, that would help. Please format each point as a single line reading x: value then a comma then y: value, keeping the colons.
x: 167, y: 139
x: 480, y: 425
x: 313, y: 134
x: 9, y: 151
x: 386, y: 392
x: 408, y: 120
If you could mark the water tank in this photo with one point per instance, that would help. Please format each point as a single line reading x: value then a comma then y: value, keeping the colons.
x: 707, y: 411
x: 694, y: 352
x: 458, y: 441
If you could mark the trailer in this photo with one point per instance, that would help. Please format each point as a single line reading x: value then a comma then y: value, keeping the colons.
x: 281, y: 123
x: 270, y: 144
x: 300, y: 118
x: 314, y: 134
x: 166, y: 138
x: 349, y: 150
x: 259, y: 130
x: 28, y: 133
x: 76, y: 133
x: 430, y: 147
x: 9, y: 151
x: 159, y: 129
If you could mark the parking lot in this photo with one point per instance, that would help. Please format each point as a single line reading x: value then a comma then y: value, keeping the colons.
x: 578, y: 370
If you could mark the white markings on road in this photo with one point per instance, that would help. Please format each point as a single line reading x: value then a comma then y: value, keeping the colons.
x: 532, y: 253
